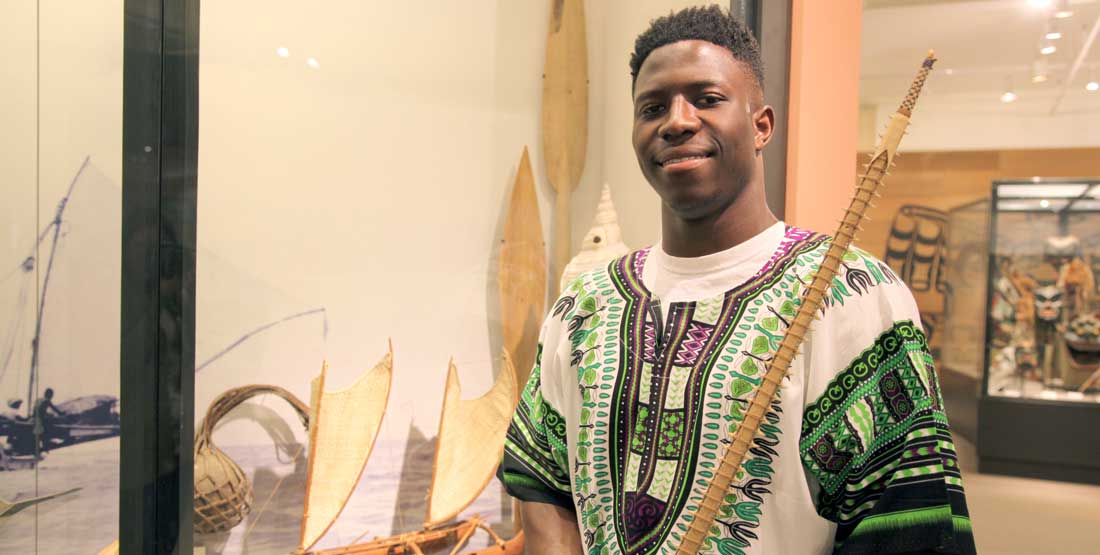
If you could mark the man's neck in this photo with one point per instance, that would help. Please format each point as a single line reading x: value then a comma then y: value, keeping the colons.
x: 740, y: 221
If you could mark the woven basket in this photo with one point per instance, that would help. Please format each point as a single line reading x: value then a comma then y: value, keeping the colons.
x: 223, y: 494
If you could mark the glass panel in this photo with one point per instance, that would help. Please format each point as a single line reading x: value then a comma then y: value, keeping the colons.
x: 59, y: 295
x: 358, y: 170
x: 356, y: 161
x: 968, y: 259
x: 1045, y: 342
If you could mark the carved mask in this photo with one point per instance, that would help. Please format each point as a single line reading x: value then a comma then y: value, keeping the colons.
x: 1026, y: 357
x: 1083, y: 341
x: 1048, y: 304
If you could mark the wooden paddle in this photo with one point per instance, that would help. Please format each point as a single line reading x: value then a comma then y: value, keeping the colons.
x: 564, y: 115
x: 522, y: 272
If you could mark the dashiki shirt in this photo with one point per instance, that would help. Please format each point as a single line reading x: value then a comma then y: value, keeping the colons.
x: 631, y: 400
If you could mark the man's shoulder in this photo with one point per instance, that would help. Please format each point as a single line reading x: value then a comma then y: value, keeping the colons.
x: 593, y: 288
x: 863, y: 288
x: 860, y: 273
x: 596, y: 280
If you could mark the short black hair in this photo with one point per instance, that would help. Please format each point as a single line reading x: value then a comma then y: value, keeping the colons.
x: 709, y: 23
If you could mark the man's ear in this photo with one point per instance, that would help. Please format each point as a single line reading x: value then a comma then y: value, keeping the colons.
x: 763, y: 120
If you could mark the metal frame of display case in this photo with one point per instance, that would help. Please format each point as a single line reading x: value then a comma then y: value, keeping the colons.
x: 1035, y: 438
x: 157, y: 336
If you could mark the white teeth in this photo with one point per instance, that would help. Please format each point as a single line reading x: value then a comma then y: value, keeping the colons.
x: 676, y: 160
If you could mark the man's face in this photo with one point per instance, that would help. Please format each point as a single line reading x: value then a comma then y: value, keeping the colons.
x: 696, y: 132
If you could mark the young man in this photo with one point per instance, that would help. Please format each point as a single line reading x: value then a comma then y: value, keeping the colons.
x: 645, y: 367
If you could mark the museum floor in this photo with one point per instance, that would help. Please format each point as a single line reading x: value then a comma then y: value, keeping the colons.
x: 1019, y: 515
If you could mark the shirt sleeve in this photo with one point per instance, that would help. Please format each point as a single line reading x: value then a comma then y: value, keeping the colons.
x: 535, y: 466
x: 878, y: 444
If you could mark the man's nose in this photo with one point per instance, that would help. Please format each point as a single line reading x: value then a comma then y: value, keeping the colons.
x: 681, y: 121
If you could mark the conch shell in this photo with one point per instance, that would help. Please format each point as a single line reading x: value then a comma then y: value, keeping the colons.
x: 602, y: 244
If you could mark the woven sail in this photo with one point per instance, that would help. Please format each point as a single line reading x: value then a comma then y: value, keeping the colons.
x: 343, y: 427
x: 471, y: 442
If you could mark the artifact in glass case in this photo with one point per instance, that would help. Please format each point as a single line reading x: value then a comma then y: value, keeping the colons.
x: 1047, y: 323
x: 1075, y: 278
x: 343, y: 427
x: 522, y: 270
x: 223, y: 494
x: 564, y: 115
x: 1079, y: 353
x: 602, y: 244
x: 868, y: 188
x: 469, y: 447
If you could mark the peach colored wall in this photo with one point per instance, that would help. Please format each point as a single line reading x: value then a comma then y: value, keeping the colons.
x: 824, y: 111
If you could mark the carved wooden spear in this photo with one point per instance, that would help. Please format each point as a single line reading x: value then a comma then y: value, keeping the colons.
x: 868, y: 187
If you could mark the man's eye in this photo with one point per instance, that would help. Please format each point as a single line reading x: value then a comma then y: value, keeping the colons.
x: 710, y: 100
x: 650, y: 110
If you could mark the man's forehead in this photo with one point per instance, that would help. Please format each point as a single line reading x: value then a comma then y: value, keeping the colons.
x: 695, y: 61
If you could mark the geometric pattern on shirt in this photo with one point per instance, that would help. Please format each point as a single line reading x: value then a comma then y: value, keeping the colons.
x: 606, y: 324
x: 536, y: 442
x: 666, y: 433
x: 878, y: 443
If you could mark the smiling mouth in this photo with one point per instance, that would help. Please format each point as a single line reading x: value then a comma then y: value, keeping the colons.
x: 682, y: 159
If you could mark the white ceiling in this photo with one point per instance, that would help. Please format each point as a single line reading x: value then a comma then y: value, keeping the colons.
x: 983, y: 47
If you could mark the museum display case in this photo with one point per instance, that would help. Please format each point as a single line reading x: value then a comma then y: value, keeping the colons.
x: 1041, y: 382
x: 1043, y: 338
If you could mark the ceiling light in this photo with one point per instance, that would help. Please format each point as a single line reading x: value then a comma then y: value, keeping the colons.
x: 1061, y: 10
x: 1044, y: 203
x: 1039, y: 70
x: 1048, y: 50
x: 1009, y: 95
x: 1053, y: 35
x: 1092, y: 86
x: 949, y: 71
x: 283, y: 52
x: 1039, y: 3
x: 313, y: 63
